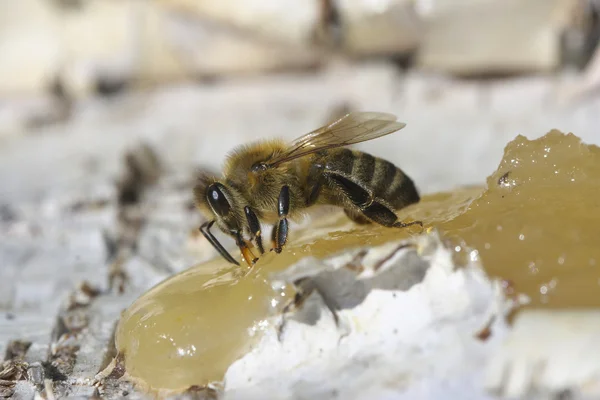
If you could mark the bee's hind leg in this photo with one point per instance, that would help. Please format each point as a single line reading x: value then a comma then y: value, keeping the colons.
x: 280, y: 230
x: 368, y: 207
x: 401, y: 224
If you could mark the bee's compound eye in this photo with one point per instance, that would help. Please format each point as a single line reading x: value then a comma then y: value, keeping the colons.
x: 217, y: 199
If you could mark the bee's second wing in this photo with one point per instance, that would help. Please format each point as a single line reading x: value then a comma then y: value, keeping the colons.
x: 352, y: 128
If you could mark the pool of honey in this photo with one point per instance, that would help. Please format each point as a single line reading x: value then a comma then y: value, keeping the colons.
x: 536, y: 223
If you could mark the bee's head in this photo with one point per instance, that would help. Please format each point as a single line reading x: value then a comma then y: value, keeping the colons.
x: 220, y: 202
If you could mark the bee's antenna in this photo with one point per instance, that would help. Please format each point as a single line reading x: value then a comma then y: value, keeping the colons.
x: 205, y: 229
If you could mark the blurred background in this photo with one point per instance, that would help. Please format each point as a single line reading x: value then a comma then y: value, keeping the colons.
x: 85, y: 83
x: 110, y: 108
x: 82, y: 79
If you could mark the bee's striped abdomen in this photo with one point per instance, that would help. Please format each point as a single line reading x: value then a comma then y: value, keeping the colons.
x: 402, y: 191
x: 379, y: 179
x: 339, y: 161
x: 384, y: 180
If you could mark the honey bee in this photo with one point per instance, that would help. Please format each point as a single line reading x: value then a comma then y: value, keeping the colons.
x: 271, y: 181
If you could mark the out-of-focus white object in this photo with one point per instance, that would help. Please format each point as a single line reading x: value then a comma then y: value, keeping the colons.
x: 584, y: 85
x: 80, y: 43
x: 379, y: 27
x: 548, y: 352
x: 29, y: 46
x: 42, y: 42
x: 428, y: 8
x: 290, y: 21
x: 499, y: 37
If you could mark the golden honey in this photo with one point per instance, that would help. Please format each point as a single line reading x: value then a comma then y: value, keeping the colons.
x: 535, y: 223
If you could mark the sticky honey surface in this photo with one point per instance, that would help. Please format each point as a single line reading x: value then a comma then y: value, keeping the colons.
x: 538, y: 222
x: 535, y: 223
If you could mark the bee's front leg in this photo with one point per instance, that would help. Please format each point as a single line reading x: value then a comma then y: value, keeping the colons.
x: 205, y: 229
x: 254, y: 226
x: 280, y: 230
x: 245, y: 249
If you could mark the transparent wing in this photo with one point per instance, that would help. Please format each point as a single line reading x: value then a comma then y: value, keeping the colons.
x: 352, y: 128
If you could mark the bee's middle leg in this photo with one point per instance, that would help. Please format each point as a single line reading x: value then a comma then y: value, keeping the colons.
x: 280, y: 230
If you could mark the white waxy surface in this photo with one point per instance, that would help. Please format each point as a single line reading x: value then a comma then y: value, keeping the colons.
x: 416, y: 342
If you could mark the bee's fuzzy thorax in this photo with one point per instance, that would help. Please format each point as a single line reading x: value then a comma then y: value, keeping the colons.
x: 243, y: 157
